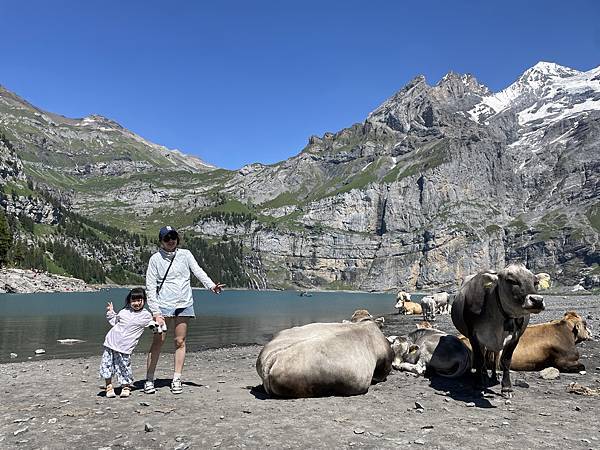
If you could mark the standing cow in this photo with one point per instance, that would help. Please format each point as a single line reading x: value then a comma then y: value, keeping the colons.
x: 429, y: 307
x: 492, y: 309
x: 442, y: 302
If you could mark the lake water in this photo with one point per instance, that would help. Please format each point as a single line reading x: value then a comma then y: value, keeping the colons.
x: 32, y: 321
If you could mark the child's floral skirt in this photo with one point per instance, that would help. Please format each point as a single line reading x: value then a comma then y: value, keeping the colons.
x: 115, y: 363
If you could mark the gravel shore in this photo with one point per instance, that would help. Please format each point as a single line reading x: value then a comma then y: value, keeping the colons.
x: 59, y: 404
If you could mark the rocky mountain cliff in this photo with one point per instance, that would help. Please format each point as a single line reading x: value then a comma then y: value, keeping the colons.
x: 438, y: 182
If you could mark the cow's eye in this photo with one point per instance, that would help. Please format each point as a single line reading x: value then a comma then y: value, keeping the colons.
x: 512, y: 281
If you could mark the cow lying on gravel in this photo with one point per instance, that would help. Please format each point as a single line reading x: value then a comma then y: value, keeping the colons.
x: 405, y: 306
x: 550, y: 344
x: 321, y: 359
x: 431, y: 350
x: 492, y: 309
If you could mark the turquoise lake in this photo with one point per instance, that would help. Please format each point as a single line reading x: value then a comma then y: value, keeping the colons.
x: 32, y: 321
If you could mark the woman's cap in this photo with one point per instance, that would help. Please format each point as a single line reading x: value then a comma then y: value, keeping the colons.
x: 167, y: 230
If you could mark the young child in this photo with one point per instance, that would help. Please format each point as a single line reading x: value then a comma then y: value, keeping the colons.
x: 127, y: 328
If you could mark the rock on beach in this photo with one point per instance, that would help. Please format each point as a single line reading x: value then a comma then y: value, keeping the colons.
x: 20, y: 281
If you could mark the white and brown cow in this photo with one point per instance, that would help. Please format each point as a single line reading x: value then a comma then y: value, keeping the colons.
x: 405, y: 306
x: 322, y: 359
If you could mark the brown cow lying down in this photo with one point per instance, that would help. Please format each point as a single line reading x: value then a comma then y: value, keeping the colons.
x: 325, y: 359
x: 428, y: 349
x: 550, y: 344
x: 407, y: 307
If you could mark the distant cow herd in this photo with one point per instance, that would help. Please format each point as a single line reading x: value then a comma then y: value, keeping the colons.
x: 490, y: 310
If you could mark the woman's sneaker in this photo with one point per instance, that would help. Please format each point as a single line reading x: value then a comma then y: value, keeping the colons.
x: 149, y: 387
x: 176, y: 387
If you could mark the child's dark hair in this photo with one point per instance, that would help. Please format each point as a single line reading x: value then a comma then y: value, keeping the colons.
x: 135, y: 294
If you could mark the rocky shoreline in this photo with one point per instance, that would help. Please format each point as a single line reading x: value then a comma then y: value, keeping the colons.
x: 56, y: 404
x: 20, y: 281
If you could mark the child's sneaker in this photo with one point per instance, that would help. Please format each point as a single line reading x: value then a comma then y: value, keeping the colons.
x: 176, y: 387
x: 149, y: 387
x: 110, y: 391
x: 125, y: 392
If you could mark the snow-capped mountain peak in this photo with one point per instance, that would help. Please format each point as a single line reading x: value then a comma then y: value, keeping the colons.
x: 546, y: 84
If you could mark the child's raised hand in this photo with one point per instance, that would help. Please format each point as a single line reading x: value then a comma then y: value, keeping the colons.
x: 109, y: 306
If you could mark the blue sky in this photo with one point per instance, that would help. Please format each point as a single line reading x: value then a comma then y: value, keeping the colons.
x: 236, y: 82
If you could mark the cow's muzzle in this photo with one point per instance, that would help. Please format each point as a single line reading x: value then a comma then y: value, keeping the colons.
x: 534, y: 303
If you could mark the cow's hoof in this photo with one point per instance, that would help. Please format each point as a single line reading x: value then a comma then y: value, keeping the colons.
x: 507, y: 393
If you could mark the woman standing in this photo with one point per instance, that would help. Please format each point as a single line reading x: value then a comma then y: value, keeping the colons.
x: 170, y: 300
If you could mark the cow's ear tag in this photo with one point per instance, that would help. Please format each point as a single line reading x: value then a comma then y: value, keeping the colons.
x: 413, y: 348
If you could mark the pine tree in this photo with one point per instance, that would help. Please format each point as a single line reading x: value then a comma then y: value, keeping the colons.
x: 6, y: 238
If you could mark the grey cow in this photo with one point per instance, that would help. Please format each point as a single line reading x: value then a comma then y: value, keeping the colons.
x: 325, y: 359
x: 428, y: 349
x: 492, y: 310
x: 429, y: 306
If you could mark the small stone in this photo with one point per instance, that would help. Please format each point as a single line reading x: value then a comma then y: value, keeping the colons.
x: 182, y: 446
x: 246, y: 411
x: 427, y: 427
x: 470, y: 405
x: 577, y: 408
x: 359, y: 431
x: 418, y: 405
x: 40, y: 351
x: 550, y: 373
x: 221, y: 417
x: 148, y: 427
x: 218, y: 443
x: 587, y: 441
x: 505, y: 423
x: 53, y: 420
x: 545, y: 414
x: 144, y: 403
x: 13, y: 355
x: 419, y: 442
x: 20, y: 430
x: 521, y: 383
x: 508, y: 402
x: 582, y: 372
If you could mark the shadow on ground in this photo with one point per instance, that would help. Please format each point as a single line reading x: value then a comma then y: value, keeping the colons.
x: 462, y: 390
